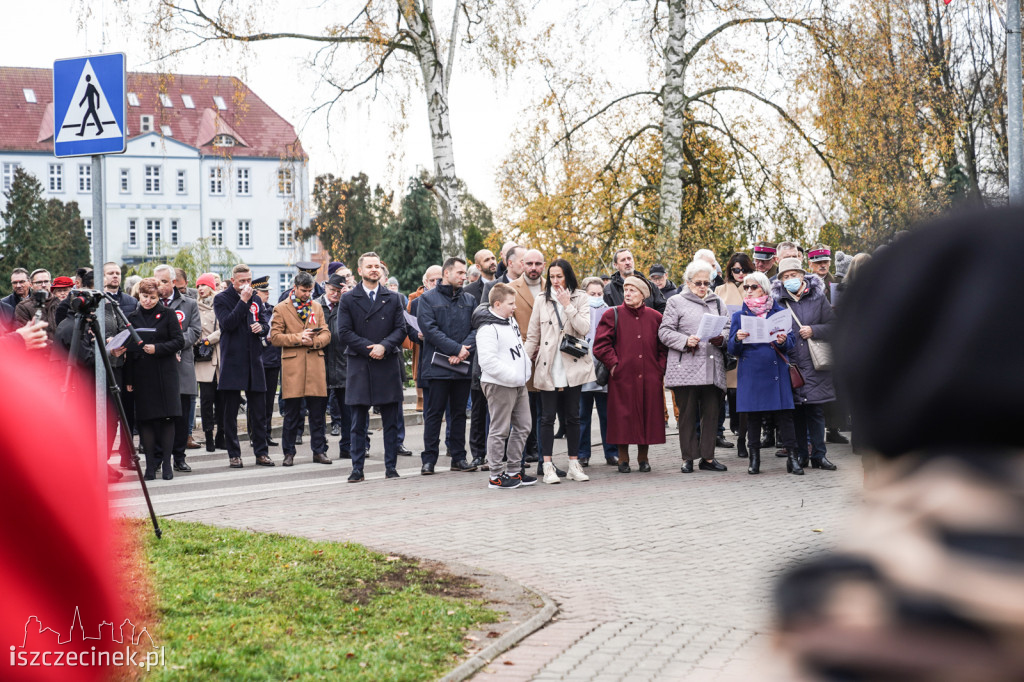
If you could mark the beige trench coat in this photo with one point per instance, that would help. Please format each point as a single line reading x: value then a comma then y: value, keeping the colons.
x: 303, y: 370
x: 544, y: 337
x: 208, y: 371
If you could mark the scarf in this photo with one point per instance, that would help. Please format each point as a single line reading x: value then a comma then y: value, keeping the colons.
x: 303, y: 308
x: 759, y: 305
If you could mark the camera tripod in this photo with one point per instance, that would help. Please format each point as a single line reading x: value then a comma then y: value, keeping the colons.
x: 85, y: 321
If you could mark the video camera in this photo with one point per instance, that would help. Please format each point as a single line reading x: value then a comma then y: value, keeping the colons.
x: 84, y: 301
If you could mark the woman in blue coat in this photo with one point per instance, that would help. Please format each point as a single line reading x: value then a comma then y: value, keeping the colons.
x: 762, y: 377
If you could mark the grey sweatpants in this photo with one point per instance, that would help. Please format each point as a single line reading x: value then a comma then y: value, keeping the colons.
x: 509, y: 409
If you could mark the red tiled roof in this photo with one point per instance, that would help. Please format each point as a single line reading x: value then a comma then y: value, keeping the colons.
x: 258, y: 130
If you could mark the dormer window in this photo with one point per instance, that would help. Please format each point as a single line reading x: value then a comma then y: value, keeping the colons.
x: 219, y: 101
x: 30, y: 95
x: 166, y: 130
x: 165, y: 100
x: 133, y: 99
x: 223, y: 141
x: 187, y: 101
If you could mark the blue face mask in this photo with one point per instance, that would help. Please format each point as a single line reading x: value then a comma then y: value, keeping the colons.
x: 596, y: 301
x: 793, y: 285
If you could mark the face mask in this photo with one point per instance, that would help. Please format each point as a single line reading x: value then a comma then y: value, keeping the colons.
x: 793, y: 285
x: 596, y: 301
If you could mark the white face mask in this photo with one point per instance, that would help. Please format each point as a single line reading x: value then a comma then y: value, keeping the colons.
x: 596, y: 301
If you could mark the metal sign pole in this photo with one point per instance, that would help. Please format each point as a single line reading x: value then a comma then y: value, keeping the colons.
x: 100, y: 346
x: 99, y: 255
x: 1015, y: 102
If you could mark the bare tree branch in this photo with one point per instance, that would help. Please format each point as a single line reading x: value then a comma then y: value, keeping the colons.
x: 602, y: 110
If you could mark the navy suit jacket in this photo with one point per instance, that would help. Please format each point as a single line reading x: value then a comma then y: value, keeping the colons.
x: 241, y: 351
x: 361, y: 323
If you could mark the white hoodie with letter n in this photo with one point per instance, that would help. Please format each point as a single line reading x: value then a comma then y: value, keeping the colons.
x: 500, y: 352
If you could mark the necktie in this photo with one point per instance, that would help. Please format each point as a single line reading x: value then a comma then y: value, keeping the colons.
x: 373, y: 295
x: 167, y: 302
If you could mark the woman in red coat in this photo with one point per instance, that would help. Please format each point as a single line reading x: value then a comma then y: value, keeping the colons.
x: 630, y: 348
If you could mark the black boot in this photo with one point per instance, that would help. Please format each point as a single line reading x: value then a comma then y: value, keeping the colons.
x: 741, y: 448
x: 755, y: 461
x: 793, y: 465
x: 822, y: 463
x: 218, y: 442
x: 210, y: 446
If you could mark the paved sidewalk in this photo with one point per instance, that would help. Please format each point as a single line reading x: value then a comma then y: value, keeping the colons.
x: 658, y: 576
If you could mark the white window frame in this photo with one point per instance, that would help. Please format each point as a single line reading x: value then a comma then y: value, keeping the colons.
x: 285, y: 182
x: 133, y: 232
x: 125, y: 182
x: 187, y: 101
x: 30, y: 95
x: 152, y: 180
x: 218, y: 101
x: 174, y: 235
x: 145, y: 123
x: 165, y: 100
x: 216, y: 181
x: 217, y: 232
x: 313, y: 244
x: 88, y: 230
x: 84, y: 177
x: 55, y: 177
x: 243, y: 187
x: 181, y: 182
x: 166, y: 131
x: 154, y: 236
x: 285, y: 234
x: 284, y: 281
x: 133, y: 99
x: 244, y: 240
x: 9, y: 170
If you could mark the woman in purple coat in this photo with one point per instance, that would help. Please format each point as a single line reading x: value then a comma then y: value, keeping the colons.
x: 762, y: 377
x: 627, y: 343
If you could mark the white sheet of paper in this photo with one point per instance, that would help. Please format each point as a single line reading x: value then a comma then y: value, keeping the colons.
x: 118, y: 340
x: 412, y: 321
x: 765, y: 330
x: 711, y: 326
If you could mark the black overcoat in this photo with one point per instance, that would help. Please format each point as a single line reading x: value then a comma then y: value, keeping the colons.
x: 241, y: 350
x: 154, y: 378
x: 360, y: 324
x: 337, y: 363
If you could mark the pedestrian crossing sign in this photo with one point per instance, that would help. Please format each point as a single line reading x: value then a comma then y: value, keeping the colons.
x: 89, y: 105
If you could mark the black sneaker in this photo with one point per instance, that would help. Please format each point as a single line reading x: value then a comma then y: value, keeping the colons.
x: 525, y: 478
x: 503, y: 481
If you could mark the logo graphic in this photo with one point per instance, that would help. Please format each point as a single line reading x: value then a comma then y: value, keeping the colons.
x: 181, y: 318
x: 43, y: 646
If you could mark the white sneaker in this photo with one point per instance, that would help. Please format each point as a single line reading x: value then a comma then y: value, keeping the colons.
x: 575, y: 471
x: 550, y: 473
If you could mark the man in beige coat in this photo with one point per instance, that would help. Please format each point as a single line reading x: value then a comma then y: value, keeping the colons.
x: 529, y: 285
x: 299, y: 328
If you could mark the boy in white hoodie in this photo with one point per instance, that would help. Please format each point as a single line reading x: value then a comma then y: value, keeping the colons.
x: 504, y: 371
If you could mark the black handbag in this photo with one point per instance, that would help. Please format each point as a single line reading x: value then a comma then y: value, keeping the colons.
x: 571, y: 345
x: 202, y: 352
x: 603, y: 374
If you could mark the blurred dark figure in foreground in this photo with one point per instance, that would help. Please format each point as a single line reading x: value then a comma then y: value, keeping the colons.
x: 930, y: 586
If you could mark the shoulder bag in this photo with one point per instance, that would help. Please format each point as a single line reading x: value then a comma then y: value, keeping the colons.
x: 603, y: 374
x: 570, y: 345
x: 821, y: 351
x: 796, y: 379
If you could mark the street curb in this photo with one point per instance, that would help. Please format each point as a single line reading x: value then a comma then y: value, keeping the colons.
x: 481, y: 658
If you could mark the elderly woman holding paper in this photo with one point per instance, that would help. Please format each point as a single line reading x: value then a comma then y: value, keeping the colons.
x: 692, y: 330
x: 763, y: 384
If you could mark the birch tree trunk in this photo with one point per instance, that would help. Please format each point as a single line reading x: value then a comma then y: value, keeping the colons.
x: 435, y: 87
x: 673, y: 109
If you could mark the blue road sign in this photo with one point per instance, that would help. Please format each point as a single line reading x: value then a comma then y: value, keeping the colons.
x: 89, y: 105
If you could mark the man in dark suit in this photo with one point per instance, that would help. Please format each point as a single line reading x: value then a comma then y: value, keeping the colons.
x: 187, y: 312
x: 243, y: 325
x: 487, y: 264
x: 371, y: 324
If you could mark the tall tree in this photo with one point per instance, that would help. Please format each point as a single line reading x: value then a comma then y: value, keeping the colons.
x: 350, y: 216
x: 382, y: 32
x: 412, y: 243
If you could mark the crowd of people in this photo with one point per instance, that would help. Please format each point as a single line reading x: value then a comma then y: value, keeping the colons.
x: 514, y: 344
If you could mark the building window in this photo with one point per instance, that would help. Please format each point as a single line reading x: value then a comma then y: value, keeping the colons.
x: 182, y: 186
x: 187, y: 101
x: 165, y: 100
x: 223, y: 141
x: 88, y: 230
x: 284, y: 281
x: 126, y: 186
x: 166, y: 131
x: 217, y: 181
x: 174, y: 231
x: 56, y: 177
x: 219, y: 101
x: 9, y: 169
x: 284, y: 182
x: 285, y: 234
x: 242, y: 186
x: 84, y: 177
x: 133, y: 99
x: 217, y: 232
x: 244, y: 234
x: 152, y: 237
x: 30, y: 95
x: 146, y: 123
x: 313, y: 244
x: 153, y: 179
x: 133, y: 232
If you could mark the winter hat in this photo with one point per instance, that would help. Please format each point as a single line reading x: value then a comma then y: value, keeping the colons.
x: 911, y: 341
x: 639, y: 284
x: 787, y: 264
x: 842, y: 263
x: 207, y: 278
x: 334, y: 267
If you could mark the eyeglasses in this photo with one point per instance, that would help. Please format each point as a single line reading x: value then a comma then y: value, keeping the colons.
x: 736, y: 269
x: 751, y: 287
x: 701, y: 284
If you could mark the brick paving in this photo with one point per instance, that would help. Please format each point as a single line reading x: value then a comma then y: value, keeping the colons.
x: 661, y: 576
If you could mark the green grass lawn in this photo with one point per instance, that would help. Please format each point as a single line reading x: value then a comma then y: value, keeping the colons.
x: 233, y: 605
